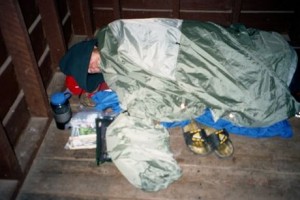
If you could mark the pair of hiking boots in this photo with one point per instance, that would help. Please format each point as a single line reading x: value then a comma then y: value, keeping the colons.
x: 200, y: 142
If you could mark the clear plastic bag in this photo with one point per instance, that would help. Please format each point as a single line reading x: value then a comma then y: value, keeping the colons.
x: 83, y: 129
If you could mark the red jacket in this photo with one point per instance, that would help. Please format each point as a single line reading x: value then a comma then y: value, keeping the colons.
x: 74, y: 88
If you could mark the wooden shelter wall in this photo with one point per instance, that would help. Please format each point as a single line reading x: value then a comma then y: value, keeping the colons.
x: 270, y: 15
x: 34, y: 35
x: 9, y: 101
x: 65, y: 19
x: 275, y: 15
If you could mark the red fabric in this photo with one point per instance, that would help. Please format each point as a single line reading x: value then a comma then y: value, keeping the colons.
x: 72, y: 85
x: 103, y: 86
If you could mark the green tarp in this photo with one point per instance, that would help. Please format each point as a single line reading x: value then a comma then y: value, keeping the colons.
x: 171, y: 70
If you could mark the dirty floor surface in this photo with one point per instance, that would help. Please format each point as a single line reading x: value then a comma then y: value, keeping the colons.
x: 259, y: 169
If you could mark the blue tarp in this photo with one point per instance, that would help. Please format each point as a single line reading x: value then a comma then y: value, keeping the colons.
x: 282, y: 128
x: 109, y: 99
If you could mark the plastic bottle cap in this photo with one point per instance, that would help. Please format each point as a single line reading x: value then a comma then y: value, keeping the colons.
x: 58, y: 98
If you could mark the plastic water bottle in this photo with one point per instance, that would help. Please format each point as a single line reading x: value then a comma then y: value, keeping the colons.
x: 61, y: 108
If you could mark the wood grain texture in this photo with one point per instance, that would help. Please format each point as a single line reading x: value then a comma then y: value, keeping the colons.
x: 82, y: 22
x: 262, y: 14
x: 9, y: 168
x: 23, y: 58
x: 52, y: 25
x: 266, y: 168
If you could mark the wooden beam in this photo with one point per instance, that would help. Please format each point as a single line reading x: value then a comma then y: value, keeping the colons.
x: 236, y: 10
x: 87, y: 15
x: 18, y: 44
x: 53, y: 30
x: 9, y: 165
x: 176, y: 9
x: 117, y: 9
x: 81, y: 17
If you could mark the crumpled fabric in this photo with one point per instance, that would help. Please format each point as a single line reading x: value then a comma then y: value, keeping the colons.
x: 241, y: 75
x: 141, y: 152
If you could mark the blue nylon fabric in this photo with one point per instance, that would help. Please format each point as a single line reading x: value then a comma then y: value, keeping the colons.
x: 282, y: 128
x: 109, y: 99
x: 106, y: 99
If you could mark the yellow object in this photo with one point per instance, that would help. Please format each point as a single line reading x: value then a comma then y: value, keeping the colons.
x: 194, y: 139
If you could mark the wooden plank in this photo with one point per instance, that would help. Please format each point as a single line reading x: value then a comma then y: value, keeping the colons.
x: 222, y: 18
x: 88, y: 182
x: 57, y: 83
x: 102, y: 17
x: 236, y: 10
x: 19, y: 47
x: 117, y: 9
x: 52, y: 165
x: 279, y: 154
x: 102, y: 3
x: 52, y: 26
x: 81, y: 17
x: 46, y: 69
x: 3, y: 52
x: 176, y: 8
x: 295, y: 86
x: 148, y: 5
x: 279, y: 22
x: 207, y: 5
x: 8, y: 188
x: 29, y: 11
x: 55, y: 148
x: 9, y: 93
x: 294, y: 32
x: 18, y: 119
x: 260, y: 168
x: 9, y: 167
x: 196, y: 181
x: 38, y: 40
x: 143, y: 13
x: 62, y: 9
x: 30, y: 141
x: 67, y: 30
x: 87, y: 16
x: 270, y: 5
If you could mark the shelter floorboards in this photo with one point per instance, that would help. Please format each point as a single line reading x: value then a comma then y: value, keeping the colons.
x: 266, y: 168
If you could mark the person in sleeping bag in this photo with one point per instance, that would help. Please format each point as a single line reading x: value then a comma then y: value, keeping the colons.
x: 170, y: 70
x: 81, y: 65
x: 241, y: 74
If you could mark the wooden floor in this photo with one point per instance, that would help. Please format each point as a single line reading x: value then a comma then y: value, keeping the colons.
x: 259, y: 169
